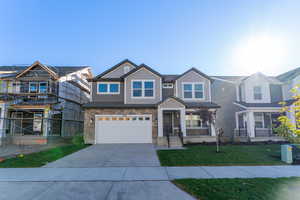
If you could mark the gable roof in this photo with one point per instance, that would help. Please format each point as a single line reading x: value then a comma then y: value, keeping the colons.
x: 37, y: 63
x: 13, y: 71
x: 140, y: 67
x: 271, y: 79
x: 114, y: 67
x: 289, y: 75
x: 195, y: 70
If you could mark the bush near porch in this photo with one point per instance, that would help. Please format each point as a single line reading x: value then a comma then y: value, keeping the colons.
x: 205, y: 155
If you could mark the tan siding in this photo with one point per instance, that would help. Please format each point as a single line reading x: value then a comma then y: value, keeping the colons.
x: 143, y: 74
x: 171, y: 103
x: 193, y: 77
x: 117, y: 73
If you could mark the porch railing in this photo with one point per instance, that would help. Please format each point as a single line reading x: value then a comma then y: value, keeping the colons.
x: 263, y: 132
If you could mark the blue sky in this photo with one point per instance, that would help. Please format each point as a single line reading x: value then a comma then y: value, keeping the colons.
x: 216, y: 36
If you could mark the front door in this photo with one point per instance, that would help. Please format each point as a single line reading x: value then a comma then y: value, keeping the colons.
x: 167, y: 124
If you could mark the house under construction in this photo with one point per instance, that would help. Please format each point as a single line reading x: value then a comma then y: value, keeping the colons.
x: 39, y: 103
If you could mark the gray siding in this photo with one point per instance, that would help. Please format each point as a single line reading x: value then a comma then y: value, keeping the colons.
x: 143, y: 74
x: 276, y: 93
x: 117, y: 73
x: 193, y: 77
x: 167, y: 92
x: 224, y: 94
x: 107, y: 97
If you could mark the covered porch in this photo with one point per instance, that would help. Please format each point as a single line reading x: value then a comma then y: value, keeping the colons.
x: 190, y: 124
x: 257, y: 124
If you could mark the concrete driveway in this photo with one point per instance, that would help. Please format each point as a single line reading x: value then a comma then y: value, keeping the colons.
x: 110, y: 155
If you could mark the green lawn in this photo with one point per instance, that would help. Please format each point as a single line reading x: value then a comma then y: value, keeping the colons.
x: 41, y: 158
x: 242, y: 189
x: 206, y: 155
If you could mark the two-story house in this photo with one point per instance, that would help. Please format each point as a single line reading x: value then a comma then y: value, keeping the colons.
x: 40, y: 102
x: 258, y: 97
x: 136, y: 104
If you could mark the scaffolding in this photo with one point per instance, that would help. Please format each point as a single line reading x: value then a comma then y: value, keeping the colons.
x: 38, y: 88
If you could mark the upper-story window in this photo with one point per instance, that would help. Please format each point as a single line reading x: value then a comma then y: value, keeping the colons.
x: 168, y: 85
x: 126, y: 69
x: 193, y: 90
x: 38, y: 87
x: 108, y: 88
x: 43, y: 87
x: 143, y: 88
x: 33, y: 87
x: 257, y: 92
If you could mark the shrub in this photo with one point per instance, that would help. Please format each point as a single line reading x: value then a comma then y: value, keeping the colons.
x: 78, y: 140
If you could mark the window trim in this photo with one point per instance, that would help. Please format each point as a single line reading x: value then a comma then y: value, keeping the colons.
x: 143, y: 88
x: 254, y: 93
x: 108, y: 88
x: 46, y: 87
x: 193, y: 90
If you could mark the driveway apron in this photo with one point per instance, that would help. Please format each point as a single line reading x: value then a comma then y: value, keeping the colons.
x: 110, y: 155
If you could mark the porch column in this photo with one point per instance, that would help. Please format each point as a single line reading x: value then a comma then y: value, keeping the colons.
x: 182, y: 121
x: 250, y: 124
x: 2, y: 111
x: 45, y: 122
x: 236, y: 120
x: 213, y: 129
x: 160, y: 122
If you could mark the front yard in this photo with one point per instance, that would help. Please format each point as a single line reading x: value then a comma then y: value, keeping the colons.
x: 205, y: 155
x: 41, y: 158
x: 242, y: 189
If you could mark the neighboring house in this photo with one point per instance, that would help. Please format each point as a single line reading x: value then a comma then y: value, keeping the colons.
x: 290, y: 79
x: 40, y: 102
x: 136, y: 104
x: 258, y: 97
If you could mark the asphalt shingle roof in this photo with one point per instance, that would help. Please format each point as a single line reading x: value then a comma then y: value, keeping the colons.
x: 60, y: 70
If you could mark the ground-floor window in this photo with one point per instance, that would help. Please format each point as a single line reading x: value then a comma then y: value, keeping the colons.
x: 259, y: 120
x: 195, y: 121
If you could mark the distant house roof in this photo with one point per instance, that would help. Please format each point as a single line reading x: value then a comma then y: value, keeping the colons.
x: 169, y: 77
x: 230, y: 78
x: 59, y: 70
x: 289, y: 75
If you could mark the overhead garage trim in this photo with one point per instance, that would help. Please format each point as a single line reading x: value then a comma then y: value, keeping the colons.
x: 123, y: 128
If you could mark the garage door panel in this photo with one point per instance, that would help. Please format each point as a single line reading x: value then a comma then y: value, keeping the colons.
x: 109, y: 129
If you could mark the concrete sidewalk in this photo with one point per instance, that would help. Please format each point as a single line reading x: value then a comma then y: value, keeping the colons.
x: 143, y: 173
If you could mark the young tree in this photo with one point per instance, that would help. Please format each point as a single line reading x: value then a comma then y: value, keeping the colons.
x: 289, y: 128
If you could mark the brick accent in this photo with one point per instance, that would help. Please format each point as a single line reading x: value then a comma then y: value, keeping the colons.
x: 89, y: 119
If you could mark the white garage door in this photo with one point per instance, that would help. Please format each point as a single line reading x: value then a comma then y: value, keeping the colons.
x: 123, y: 129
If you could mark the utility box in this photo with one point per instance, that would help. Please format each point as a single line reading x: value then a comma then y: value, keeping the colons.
x: 287, y: 153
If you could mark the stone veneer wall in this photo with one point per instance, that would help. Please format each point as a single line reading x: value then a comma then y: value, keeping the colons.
x: 89, y: 119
